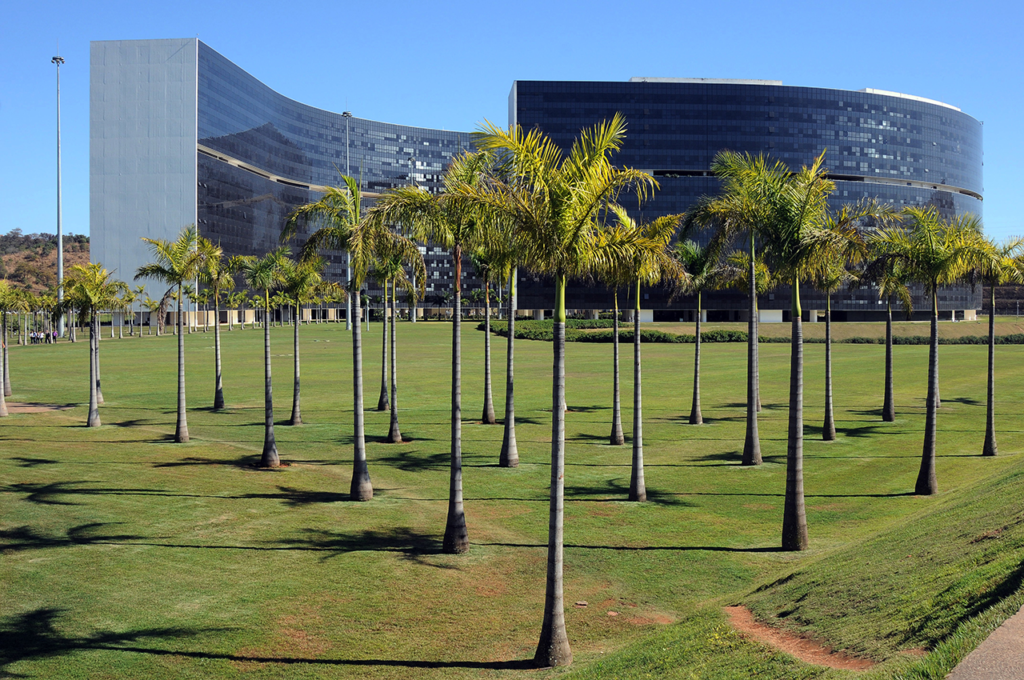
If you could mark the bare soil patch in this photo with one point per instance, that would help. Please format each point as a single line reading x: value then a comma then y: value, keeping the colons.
x: 802, y: 648
x: 31, y: 407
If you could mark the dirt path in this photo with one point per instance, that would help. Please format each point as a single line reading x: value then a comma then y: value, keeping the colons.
x: 806, y: 650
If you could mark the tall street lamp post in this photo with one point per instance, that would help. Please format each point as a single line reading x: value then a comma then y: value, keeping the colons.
x: 58, y: 60
x: 412, y: 306
x: 348, y: 255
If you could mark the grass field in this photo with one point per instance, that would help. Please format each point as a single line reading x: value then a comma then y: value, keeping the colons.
x: 127, y: 556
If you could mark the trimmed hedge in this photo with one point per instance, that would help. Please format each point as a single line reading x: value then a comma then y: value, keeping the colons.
x: 574, y: 332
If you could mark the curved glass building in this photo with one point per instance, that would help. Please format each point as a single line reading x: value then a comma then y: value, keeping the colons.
x: 181, y: 135
x: 896, y: 148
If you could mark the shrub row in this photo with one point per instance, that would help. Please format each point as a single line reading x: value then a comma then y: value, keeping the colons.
x: 544, y: 330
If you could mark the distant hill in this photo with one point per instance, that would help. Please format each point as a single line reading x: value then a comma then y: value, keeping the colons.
x: 29, y: 261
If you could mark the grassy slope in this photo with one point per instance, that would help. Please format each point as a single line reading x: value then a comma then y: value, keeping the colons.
x: 117, y: 539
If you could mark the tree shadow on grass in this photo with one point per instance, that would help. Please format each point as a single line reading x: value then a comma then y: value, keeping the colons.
x: 34, y: 635
x: 33, y: 462
x: 297, y: 498
x: 408, y: 542
x: 963, y: 400
x: 815, y: 431
x: 48, y: 494
x: 617, y: 490
x: 764, y: 406
x: 27, y: 538
x: 246, y: 462
x: 414, y: 461
x: 643, y: 548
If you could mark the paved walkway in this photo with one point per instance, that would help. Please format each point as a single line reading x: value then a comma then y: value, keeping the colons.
x: 999, y: 657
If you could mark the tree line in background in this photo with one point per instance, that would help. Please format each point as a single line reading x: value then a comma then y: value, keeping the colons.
x: 521, y: 202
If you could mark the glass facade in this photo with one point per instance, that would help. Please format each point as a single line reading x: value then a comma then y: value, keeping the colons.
x: 262, y: 154
x: 180, y: 134
x: 901, y: 150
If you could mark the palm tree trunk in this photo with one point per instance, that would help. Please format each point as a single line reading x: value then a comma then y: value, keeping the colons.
x: 553, y: 648
x: 94, y: 411
x: 616, y: 438
x: 927, y: 484
x: 120, y: 326
x: 794, y: 518
x: 456, y: 535
x: 296, y: 392
x: 7, y: 361
x: 218, y: 395
x: 828, y: 429
x: 752, y: 442
x: 361, y: 488
x: 270, y: 458
x: 382, y: 400
x: 637, y: 488
x: 99, y: 385
x: 696, y: 418
x: 394, y: 433
x: 990, y: 448
x: 3, y: 369
x: 888, y: 405
x: 488, y: 415
x: 509, y: 450
x: 181, y: 428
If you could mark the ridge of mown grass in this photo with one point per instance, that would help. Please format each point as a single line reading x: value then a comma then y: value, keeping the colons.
x: 940, y: 583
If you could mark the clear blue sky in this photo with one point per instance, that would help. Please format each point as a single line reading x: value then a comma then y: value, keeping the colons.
x: 451, y: 65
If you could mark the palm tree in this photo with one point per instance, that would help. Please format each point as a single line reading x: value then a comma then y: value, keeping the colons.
x: 1004, y: 264
x: 705, y: 273
x: 90, y: 289
x: 7, y: 301
x: 390, y: 267
x: 615, y: 274
x: 338, y: 214
x: 300, y: 282
x: 11, y: 300
x: 736, y: 212
x: 216, y: 275
x: 890, y: 277
x: 188, y: 290
x: 934, y: 252
x: 796, y: 243
x: 382, y: 274
x: 484, y: 269
x: 234, y: 302
x: 553, y: 200
x: 845, y: 246
x: 643, y: 251
x: 500, y: 246
x: 177, y: 261
x: 153, y: 306
x: 456, y: 225
x: 262, y: 274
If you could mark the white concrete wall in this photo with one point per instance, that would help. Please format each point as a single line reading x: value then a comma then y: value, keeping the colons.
x: 142, y: 149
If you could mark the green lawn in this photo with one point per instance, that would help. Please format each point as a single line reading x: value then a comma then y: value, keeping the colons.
x: 128, y: 556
